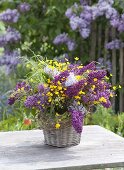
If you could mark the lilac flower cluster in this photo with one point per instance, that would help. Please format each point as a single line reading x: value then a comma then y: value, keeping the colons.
x: 77, y: 120
x: 90, y: 66
x: 20, y: 87
x: 77, y: 114
x: 115, y: 44
x: 99, y: 74
x: 36, y: 101
x: 11, y: 36
x: 24, y: 7
x: 104, y: 64
x: 83, y: 2
x: 74, y: 89
x: 10, y: 59
x: 80, y: 22
x: 64, y: 39
x: 9, y: 16
x: 81, y: 17
x: 62, y: 76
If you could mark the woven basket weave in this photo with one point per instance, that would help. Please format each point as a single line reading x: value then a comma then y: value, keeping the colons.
x: 62, y: 137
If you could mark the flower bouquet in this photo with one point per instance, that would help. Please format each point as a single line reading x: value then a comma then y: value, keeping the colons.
x: 61, y: 94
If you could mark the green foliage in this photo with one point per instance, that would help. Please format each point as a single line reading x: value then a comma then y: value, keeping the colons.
x: 16, y: 122
x: 106, y: 118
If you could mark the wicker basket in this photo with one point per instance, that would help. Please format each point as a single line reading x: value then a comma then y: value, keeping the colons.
x: 62, y: 137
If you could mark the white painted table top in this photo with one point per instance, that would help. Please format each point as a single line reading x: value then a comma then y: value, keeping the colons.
x: 25, y: 150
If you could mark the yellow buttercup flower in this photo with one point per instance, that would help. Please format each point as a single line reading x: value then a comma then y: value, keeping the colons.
x: 59, y: 88
x: 96, y: 102
x: 57, y: 114
x: 80, y: 66
x: 119, y: 87
x: 59, y: 83
x: 93, y: 87
x: 38, y: 102
x: 78, y: 103
x: 57, y: 92
x: 18, y: 90
x: 102, y: 99
x: 107, y: 78
x: 22, y: 89
x: 111, y: 95
x: 54, y: 87
x: 114, y: 87
x: 76, y: 58
x: 57, y: 126
x: 95, y: 79
x: 49, y: 100
x: 48, y: 80
x: 78, y: 77
x: 77, y: 97
x: 81, y: 92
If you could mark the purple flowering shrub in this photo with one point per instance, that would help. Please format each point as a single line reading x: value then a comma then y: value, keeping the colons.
x: 11, y: 37
x: 61, y: 92
x: 82, y: 15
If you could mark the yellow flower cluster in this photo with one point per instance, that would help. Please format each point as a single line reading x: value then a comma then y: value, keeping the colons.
x: 57, y: 65
x: 56, y: 92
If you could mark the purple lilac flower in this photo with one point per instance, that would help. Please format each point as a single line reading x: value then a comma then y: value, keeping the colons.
x: 106, y: 95
x: 99, y: 74
x: 84, y: 32
x: 11, y: 36
x: 41, y: 88
x: 83, y: 2
x: 61, y: 77
x: 115, y: 44
x: 71, y: 45
x: 22, y: 85
x: 77, y: 120
x: 31, y: 101
x: 36, y: 101
x: 121, y: 26
x: 64, y: 39
x: 107, y: 1
x: 86, y: 14
x: 107, y: 104
x: 10, y: 59
x: 11, y: 100
x: 69, y: 13
x: 60, y: 39
x: 104, y: 64
x: 24, y: 7
x: 115, y: 22
x: 10, y: 16
x: 85, y: 99
x: 73, y: 90
x: 90, y: 66
x: 76, y: 22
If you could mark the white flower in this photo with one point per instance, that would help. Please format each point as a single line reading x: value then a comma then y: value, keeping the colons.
x: 71, y: 79
x: 51, y: 71
x: 77, y: 107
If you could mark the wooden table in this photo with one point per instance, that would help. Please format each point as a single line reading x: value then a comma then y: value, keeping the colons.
x: 25, y: 150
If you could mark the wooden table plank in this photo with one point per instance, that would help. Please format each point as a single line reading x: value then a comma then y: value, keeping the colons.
x: 25, y: 150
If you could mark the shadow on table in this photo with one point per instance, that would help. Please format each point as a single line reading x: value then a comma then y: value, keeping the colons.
x: 29, y: 152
